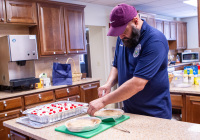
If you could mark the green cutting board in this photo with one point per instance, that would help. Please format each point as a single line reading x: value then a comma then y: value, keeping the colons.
x: 102, y: 127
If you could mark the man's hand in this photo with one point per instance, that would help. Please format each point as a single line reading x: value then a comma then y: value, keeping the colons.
x: 106, y: 88
x: 95, y: 105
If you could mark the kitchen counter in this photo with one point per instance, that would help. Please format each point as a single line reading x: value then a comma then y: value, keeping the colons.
x: 141, y: 127
x: 193, y: 90
x: 8, y: 94
x: 179, y: 64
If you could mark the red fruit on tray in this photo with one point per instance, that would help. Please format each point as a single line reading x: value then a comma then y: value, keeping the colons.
x: 54, y: 111
x: 60, y: 110
x: 71, y: 107
x: 50, y: 113
x: 74, y: 106
x: 66, y: 108
x: 51, y: 109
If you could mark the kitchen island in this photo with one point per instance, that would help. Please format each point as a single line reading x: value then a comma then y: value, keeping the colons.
x: 140, y: 127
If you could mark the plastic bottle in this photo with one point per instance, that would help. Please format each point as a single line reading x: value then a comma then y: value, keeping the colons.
x: 191, y: 77
x: 197, y: 77
x: 185, y: 76
x: 177, y: 59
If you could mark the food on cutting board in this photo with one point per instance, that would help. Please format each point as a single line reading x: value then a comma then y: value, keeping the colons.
x: 108, y: 112
x: 54, y: 108
x: 82, y: 124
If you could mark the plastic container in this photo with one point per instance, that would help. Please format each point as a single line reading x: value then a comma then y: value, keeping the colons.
x: 57, y: 116
x: 185, y: 77
x: 191, y: 77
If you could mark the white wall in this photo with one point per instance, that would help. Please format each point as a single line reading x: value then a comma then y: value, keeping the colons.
x: 192, y: 32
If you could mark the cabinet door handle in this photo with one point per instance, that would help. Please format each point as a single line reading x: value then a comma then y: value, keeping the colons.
x: 4, y: 102
x: 78, y: 96
x: 2, y: 19
x: 40, y: 97
x: 10, y: 135
x: 67, y: 90
x: 9, y: 20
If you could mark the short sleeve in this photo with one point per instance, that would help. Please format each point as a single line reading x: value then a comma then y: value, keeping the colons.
x: 150, y: 60
x: 116, y: 53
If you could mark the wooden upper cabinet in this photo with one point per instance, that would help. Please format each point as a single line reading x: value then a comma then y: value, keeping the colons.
x: 151, y: 21
x: 51, y: 29
x: 181, y: 35
x: 192, y: 109
x: 173, y: 31
x: 159, y: 25
x: 149, y: 18
x: 2, y: 11
x: 184, y: 33
x: 75, y: 30
x: 21, y: 12
x: 167, y: 30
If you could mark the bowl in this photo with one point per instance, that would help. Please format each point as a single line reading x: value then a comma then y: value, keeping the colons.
x: 82, y: 124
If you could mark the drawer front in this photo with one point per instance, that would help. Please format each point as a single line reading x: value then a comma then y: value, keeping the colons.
x: 64, y: 92
x: 75, y: 98
x: 177, y: 100
x: 90, y: 86
x: 10, y: 103
x: 39, y: 97
x: 10, y: 114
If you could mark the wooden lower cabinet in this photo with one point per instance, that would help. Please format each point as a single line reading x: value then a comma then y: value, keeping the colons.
x: 12, y: 108
x: 4, y: 131
x: 178, y: 102
x: 193, y: 109
x: 89, y: 92
x: 17, y: 136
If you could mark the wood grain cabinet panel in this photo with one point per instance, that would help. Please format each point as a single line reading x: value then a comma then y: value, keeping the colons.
x: 2, y: 11
x: 21, y: 12
x: 89, y: 92
x: 173, y: 30
x: 193, y: 109
x: 65, y: 92
x: 51, y: 29
x: 38, y: 98
x: 10, y: 103
x: 160, y: 25
x: 75, y: 30
x: 181, y: 35
x: 167, y: 30
x: 178, y: 102
x: 4, y: 131
x: 75, y: 98
x: 148, y: 17
x: 184, y: 33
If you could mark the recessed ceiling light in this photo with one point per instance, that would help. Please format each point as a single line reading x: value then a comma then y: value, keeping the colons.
x: 191, y: 2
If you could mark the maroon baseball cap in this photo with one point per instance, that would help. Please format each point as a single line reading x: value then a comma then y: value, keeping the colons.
x: 120, y: 16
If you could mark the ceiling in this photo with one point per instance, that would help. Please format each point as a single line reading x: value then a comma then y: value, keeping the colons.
x: 171, y: 8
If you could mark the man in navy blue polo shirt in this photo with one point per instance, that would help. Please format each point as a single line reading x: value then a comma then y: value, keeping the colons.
x: 140, y: 67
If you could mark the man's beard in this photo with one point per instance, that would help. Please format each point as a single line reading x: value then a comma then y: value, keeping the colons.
x: 133, y: 40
